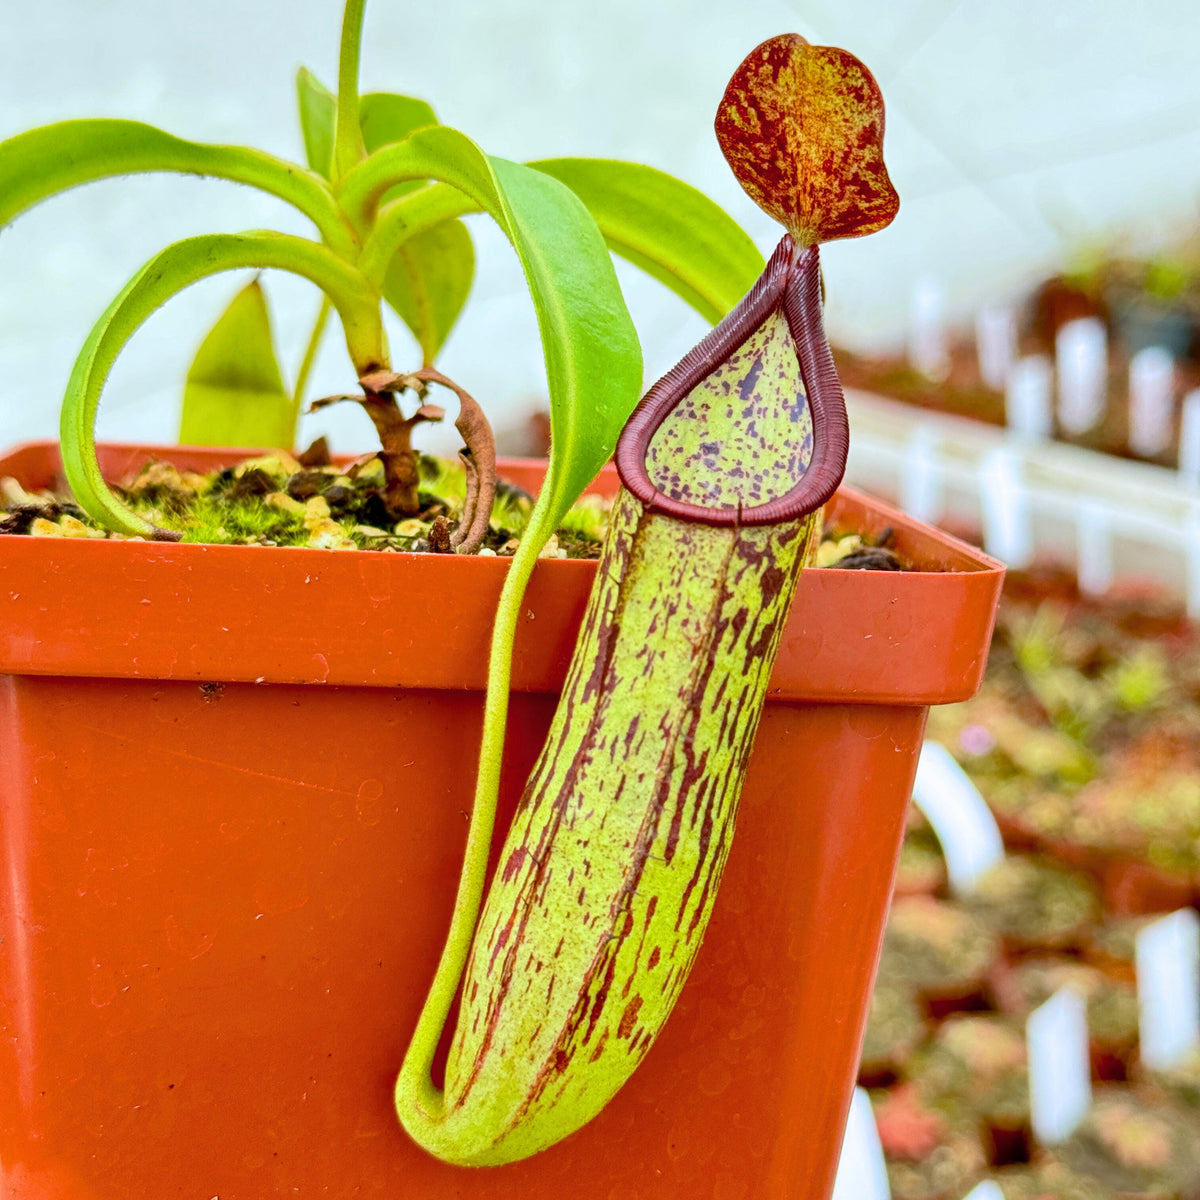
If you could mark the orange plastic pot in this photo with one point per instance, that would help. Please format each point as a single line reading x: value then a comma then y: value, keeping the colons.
x: 234, y: 786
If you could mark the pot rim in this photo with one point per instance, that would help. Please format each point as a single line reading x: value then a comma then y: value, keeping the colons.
x: 173, y: 611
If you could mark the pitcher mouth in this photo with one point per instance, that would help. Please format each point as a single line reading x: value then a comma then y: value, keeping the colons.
x: 791, y: 282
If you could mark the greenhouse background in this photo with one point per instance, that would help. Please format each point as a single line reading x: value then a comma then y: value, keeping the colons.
x: 1018, y: 134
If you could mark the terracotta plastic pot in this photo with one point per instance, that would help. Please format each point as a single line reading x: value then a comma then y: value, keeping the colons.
x: 1135, y: 887
x: 235, y: 786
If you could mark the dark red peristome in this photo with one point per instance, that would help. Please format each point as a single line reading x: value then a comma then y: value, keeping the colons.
x: 792, y: 279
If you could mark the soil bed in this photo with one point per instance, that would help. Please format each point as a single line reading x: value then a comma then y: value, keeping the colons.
x: 281, y: 500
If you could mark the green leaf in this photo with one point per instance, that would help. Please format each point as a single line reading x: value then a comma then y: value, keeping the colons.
x: 660, y: 224
x: 318, y: 111
x: 162, y: 277
x: 384, y: 118
x: 42, y: 162
x: 668, y: 228
x: 428, y: 282
x: 425, y: 211
x: 425, y: 207
x: 388, y: 118
x: 234, y: 394
x: 429, y: 277
x: 593, y: 357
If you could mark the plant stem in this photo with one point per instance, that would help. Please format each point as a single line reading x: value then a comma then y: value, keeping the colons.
x: 348, y: 146
x: 401, y: 475
x: 310, y: 356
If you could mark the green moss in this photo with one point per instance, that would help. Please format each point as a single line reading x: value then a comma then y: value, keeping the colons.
x: 272, y: 500
x: 216, y: 520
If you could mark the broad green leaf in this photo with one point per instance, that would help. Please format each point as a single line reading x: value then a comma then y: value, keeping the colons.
x: 162, y: 277
x: 428, y: 282
x: 660, y: 224
x: 318, y: 110
x: 234, y: 394
x: 593, y: 357
x: 668, y: 228
x: 42, y: 162
x: 390, y: 118
x: 424, y: 208
x: 387, y: 118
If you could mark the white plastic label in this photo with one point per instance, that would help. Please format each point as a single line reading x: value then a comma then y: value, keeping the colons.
x: 960, y: 817
x: 927, y: 351
x: 1093, y: 530
x: 920, y: 489
x: 1081, y: 350
x: 1191, y: 541
x: 996, y: 344
x: 1151, y: 401
x: 862, y: 1172
x: 1168, y: 981
x: 1029, y: 398
x: 1007, y: 528
x: 1189, y: 439
x: 987, y: 1190
x: 1060, y: 1081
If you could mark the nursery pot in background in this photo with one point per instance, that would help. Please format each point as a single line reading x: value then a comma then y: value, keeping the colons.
x: 234, y: 786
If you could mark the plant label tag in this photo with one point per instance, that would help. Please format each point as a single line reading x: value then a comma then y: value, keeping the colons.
x: 1028, y: 398
x: 987, y: 1190
x: 1191, y: 540
x: 1168, y: 986
x: 1081, y: 352
x: 862, y: 1172
x: 960, y: 817
x: 1189, y: 439
x: 1007, y: 528
x: 1060, y: 1081
x: 920, y: 491
x: 996, y: 344
x: 1094, y: 540
x: 927, y: 351
x: 1151, y: 400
